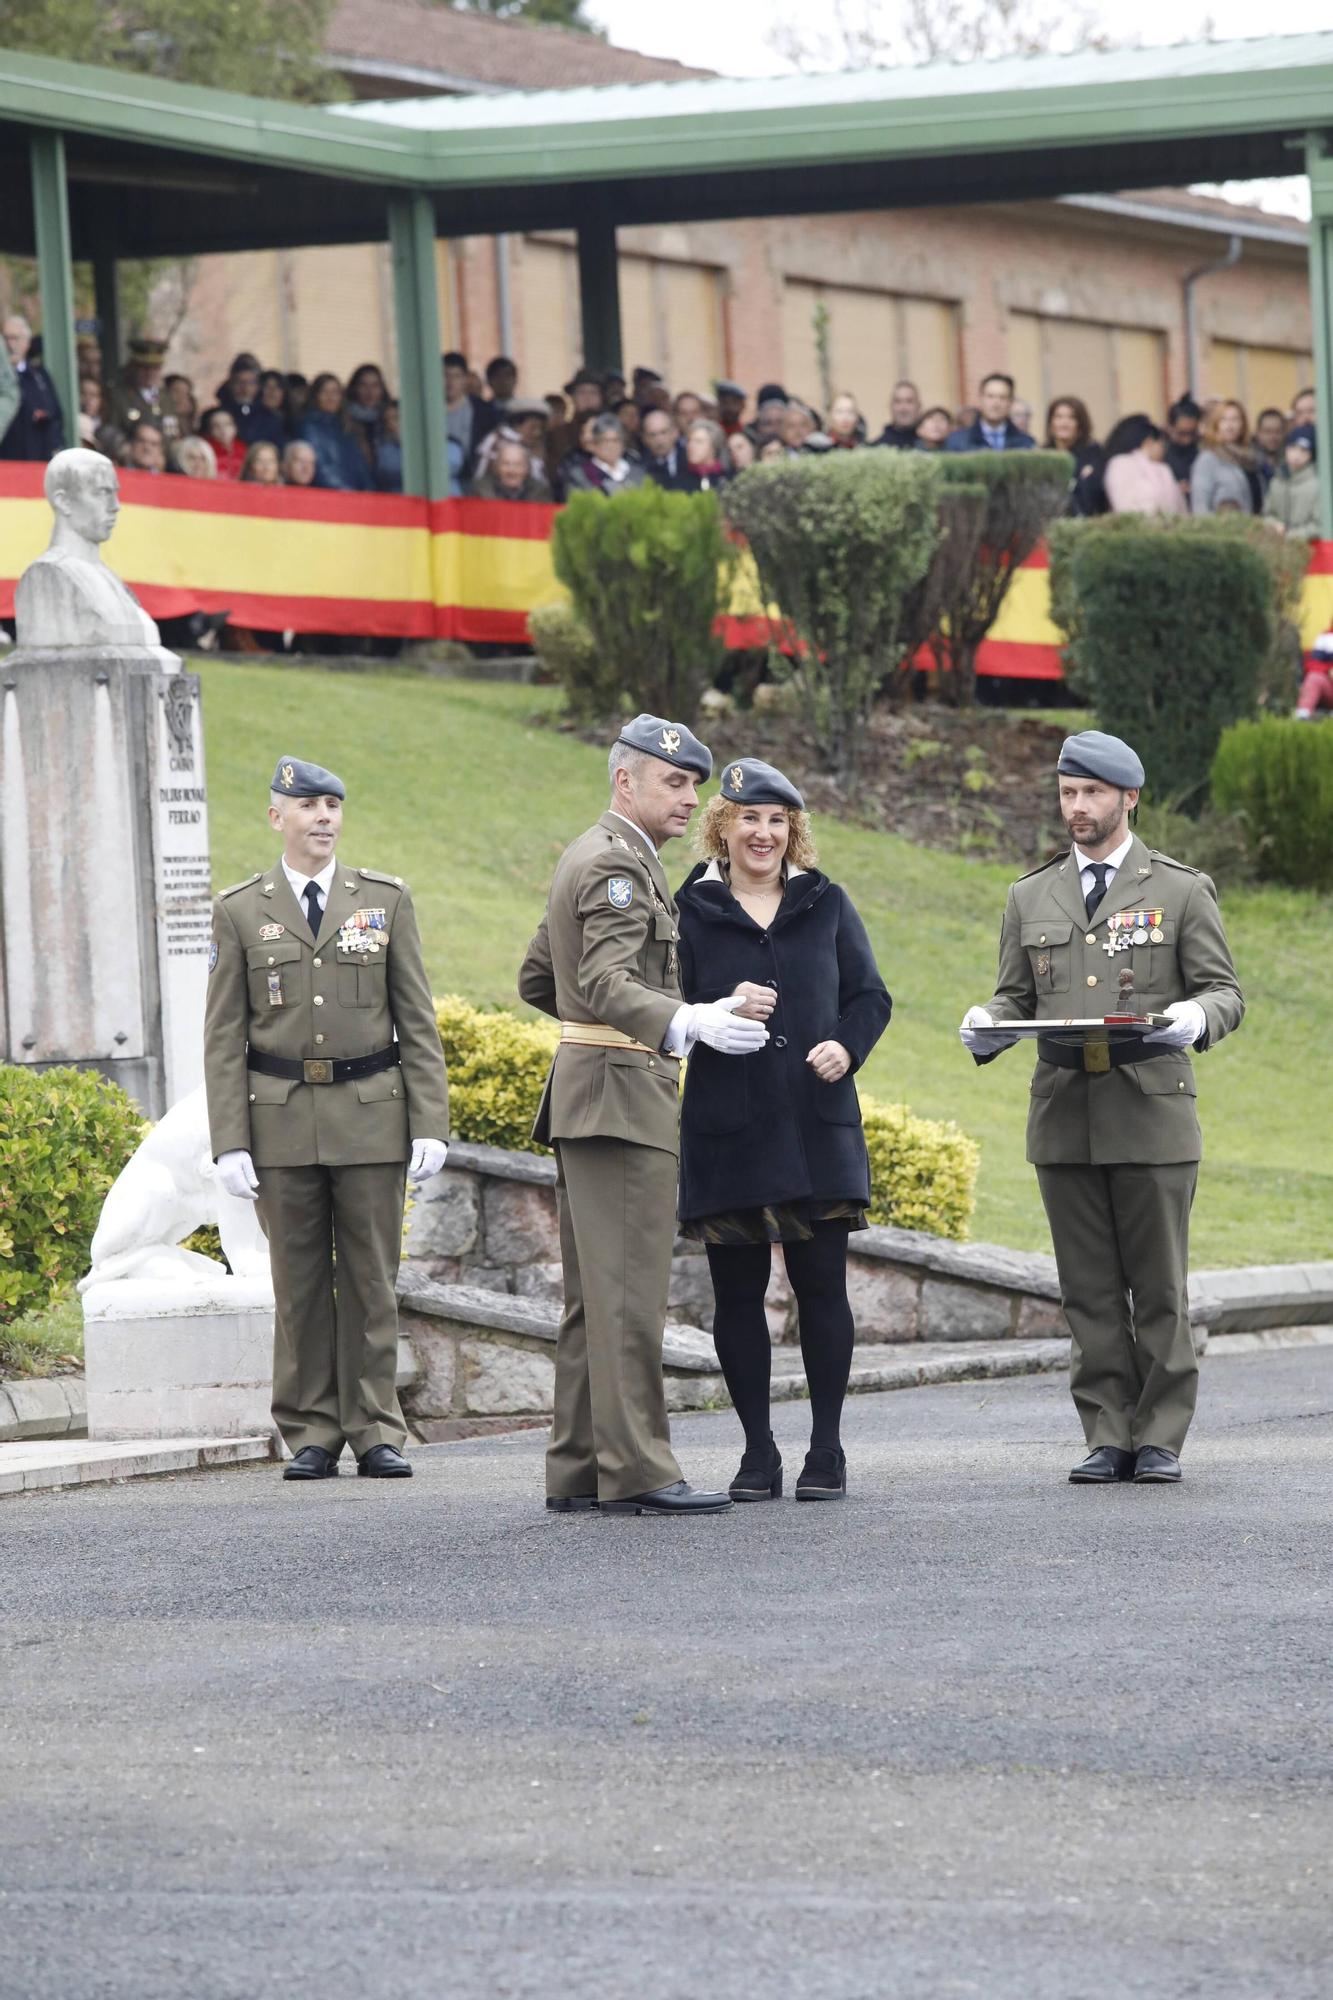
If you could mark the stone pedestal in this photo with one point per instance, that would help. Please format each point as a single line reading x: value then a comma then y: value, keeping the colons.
x: 179, y: 1360
x: 104, y: 871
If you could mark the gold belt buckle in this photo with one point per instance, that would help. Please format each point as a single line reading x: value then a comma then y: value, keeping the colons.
x: 318, y: 1069
x: 1097, y: 1055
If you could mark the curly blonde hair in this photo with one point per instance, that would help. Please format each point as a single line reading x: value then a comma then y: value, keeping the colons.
x: 721, y: 814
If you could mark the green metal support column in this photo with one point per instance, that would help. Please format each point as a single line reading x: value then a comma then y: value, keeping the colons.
x: 599, y: 291
x: 55, y: 270
x: 106, y: 294
x: 417, y: 317
x: 1319, y: 166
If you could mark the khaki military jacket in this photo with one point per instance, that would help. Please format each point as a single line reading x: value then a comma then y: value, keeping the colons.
x: 607, y: 953
x: 274, y: 987
x: 1054, y: 966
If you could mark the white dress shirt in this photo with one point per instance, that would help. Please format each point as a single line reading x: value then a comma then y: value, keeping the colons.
x: 1113, y: 862
x: 323, y: 883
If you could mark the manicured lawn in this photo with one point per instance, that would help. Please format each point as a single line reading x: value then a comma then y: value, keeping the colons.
x: 464, y: 790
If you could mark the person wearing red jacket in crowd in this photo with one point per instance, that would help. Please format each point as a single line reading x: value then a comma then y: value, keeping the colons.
x: 219, y: 427
x: 1317, y: 687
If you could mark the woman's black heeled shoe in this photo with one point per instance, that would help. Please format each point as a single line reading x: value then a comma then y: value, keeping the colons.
x: 824, y: 1474
x: 760, y: 1474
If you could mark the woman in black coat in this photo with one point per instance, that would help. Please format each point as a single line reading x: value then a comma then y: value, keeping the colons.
x: 771, y: 1145
x: 1069, y: 428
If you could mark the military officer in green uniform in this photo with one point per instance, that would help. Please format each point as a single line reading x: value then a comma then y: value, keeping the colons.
x: 1114, y: 927
x: 326, y: 1083
x: 605, y: 964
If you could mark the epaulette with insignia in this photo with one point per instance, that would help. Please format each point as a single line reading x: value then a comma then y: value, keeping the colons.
x: 239, y: 885
x: 374, y: 875
x: 1169, y: 861
x: 1042, y: 866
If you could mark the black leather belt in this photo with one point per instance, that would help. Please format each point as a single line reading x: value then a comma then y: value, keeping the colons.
x: 1137, y: 1051
x: 322, y: 1069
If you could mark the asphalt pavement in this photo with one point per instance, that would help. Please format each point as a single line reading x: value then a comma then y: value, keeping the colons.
x: 975, y: 1732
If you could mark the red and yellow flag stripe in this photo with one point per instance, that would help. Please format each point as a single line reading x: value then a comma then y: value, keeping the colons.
x: 388, y: 566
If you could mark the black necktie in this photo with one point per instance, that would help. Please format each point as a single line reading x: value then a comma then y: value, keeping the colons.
x: 1099, y: 870
x: 311, y: 894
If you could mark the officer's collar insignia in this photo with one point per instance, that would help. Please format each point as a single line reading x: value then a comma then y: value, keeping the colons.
x: 736, y: 778
x: 288, y: 775
x: 670, y: 741
x: 620, y: 892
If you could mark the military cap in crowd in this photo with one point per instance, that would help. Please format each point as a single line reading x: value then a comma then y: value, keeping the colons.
x: 752, y: 782
x: 1094, y: 754
x: 146, y: 347
x: 298, y: 780
x: 671, y: 741
x: 725, y: 388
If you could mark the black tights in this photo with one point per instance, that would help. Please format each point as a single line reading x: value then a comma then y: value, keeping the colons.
x: 818, y: 1273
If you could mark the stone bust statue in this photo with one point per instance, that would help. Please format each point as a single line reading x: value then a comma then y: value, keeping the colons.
x: 68, y: 597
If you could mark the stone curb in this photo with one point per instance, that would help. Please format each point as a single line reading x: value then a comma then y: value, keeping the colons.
x: 465, y: 1308
x: 43, y: 1407
x: 36, y: 1467
x: 1254, y: 1296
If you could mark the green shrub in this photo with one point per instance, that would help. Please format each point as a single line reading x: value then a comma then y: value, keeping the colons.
x: 1173, y: 634
x: 923, y: 1171
x: 1025, y: 491
x: 1215, y: 841
x: 589, y: 678
x: 962, y: 518
x: 1277, y: 777
x: 646, y: 572
x: 497, y: 1067
x: 838, y: 541
x: 1284, y: 560
x: 64, y: 1136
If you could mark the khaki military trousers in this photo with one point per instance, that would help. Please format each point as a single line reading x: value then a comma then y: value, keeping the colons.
x: 610, y: 1435
x: 1121, y: 1237
x: 335, y: 1323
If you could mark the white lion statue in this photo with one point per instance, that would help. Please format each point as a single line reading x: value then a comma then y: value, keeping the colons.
x: 166, y: 1192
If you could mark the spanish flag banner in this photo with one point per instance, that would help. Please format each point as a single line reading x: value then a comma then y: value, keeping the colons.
x: 298, y: 559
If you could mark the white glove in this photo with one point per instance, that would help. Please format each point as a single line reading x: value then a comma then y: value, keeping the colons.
x: 1188, y: 1022
x: 236, y: 1173
x: 980, y: 1036
x: 428, y: 1156
x: 715, y: 1022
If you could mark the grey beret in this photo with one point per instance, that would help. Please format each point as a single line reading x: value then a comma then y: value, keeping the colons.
x: 751, y: 782
x: 1093, y: 754
x: 299, y: 780
x: 671, y: 741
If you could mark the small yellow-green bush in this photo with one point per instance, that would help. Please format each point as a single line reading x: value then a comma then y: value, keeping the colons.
x: 566, y: 648
x: 923, y: 1171
x: 497, y: 1067
x: 64, y: 1136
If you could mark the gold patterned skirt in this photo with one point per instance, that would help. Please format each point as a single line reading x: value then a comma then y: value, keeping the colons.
x: 782, y: 1222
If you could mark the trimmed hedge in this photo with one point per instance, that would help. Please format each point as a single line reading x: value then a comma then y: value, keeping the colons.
x: 646, y: 572
x: 64, y: 1136
x: 1025, y: 492
x: 839, y: 541
x: 497, y: 1067
x: 923, y: 1171
x: 1277, y: 777
x: 1173, y: 634
x: 589, y: 679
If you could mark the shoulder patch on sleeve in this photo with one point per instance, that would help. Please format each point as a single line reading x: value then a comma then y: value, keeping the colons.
x: 374, y: 875
x: 239, y: 885
x: 619, y: 891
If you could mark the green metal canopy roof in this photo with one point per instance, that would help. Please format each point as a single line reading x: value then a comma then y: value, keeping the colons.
x: 169, y: 168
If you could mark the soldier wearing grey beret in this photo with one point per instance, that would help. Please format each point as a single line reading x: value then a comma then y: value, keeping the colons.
x: 606, y: 964
x: 326, y: 1085
x: 1111, y: 927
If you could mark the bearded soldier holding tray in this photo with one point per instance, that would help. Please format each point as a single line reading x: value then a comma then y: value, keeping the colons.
x: 605, y: 963
x: 324, y: 1073
x: 1114, y: 928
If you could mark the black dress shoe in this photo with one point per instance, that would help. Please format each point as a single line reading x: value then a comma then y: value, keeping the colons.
x: 383, y: 1461
x: 824, y: 1474
x: 1103, y: 1467
x: 571, y: 1503
x: 1156, y: 1466
x: 677, y: 1499
x: 312, y: 1462
x: 760, y: 1473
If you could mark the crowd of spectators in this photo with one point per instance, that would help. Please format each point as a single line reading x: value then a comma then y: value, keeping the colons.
x: 605, y: 433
